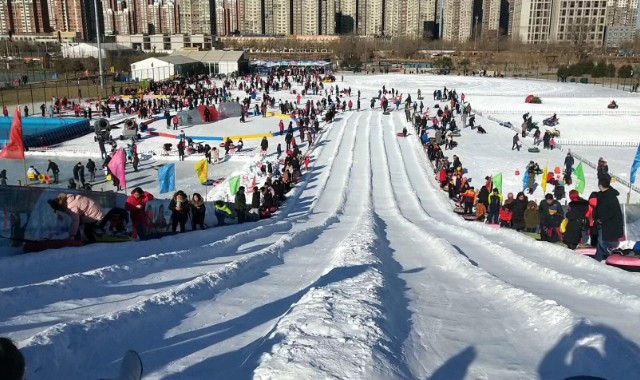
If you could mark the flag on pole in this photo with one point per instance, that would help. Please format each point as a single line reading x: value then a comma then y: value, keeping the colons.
x: 117, y: 167
x: 234, y: 184
x: 580, y: 182
x: 497, y: 182
x: 167, y: 178
x: 635, y: 166
x: 14, y: 150
x: 202, y: 170
x: 525, y: 180
x: 544, y: 179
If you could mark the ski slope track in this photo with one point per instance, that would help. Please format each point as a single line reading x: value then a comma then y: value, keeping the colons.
x: 364, y: 273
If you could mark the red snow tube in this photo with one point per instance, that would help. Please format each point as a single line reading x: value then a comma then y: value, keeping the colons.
x: 630, y: 263
x: 529, y: 98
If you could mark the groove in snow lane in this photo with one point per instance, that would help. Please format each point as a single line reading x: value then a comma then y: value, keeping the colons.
x: 448, y: 288
x: 518, y: 252
x: 87, y: 286
x: 537, y: 285
x: 296, y: 326
x: 246, y: 349
x: 63, y: 338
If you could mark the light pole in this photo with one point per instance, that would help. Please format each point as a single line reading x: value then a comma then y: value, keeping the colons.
x: 95, y: 6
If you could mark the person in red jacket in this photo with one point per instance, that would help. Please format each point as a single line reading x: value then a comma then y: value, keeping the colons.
x: 136, y: 205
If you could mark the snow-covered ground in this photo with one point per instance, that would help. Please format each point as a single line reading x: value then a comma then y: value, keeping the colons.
x: 365, y: 273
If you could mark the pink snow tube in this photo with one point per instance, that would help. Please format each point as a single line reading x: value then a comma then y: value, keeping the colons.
x: 588, y: 251
x: 630, y: 263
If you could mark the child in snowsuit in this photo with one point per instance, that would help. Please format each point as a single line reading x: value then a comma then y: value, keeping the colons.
x: 551, y: 225
x: 495, y: 201
x: 531, y: 217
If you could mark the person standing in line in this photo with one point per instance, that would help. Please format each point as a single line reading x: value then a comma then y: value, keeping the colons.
x: 91, y: 167
x: 55, y: 170
x: 241, y: 205
x: 608, y: 217
x: 136, y: 205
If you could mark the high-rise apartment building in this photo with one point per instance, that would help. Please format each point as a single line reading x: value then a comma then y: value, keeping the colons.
x: 277, y: 17
x: 327, y: 17
x: 458, y: 20
x: 578, y: 21
x: 370, y: 17
x: 70, y: 16
x: 490, y: 17
x: 252, y: 17
x: 228, y: 17
x: 24, y: 16
x: 346, y: 16
x: 532, y: 21
x: 621, y: 21
x: 197, y: 16
x: 305, y: 17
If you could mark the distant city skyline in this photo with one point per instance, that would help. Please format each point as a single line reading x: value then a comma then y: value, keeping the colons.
x: 598, y: 22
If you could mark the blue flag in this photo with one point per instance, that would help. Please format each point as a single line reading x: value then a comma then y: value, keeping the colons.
x: 525, y: 180
x: 635, y: 166
x: 167, y: 178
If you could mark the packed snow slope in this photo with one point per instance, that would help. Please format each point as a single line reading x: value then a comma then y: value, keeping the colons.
x: 365, y: 273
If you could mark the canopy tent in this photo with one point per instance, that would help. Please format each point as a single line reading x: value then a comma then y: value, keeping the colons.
x: 289, y: 63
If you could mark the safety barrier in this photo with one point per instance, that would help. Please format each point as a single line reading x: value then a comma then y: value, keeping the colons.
x: 618, y: 179
x: 567, y: 112
x: 617, y: 144
x: 585, y: 143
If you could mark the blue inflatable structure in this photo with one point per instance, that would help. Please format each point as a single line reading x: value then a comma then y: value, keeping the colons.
x: 41, y: 131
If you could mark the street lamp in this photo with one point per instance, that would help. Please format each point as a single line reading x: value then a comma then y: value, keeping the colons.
x: 95, y: 6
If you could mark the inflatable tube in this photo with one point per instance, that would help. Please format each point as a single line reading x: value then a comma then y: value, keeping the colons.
x: 630, y: 263
x: 400, y: 134
x: 534, y: 150
x: 455, y: 135
x: 469, y: 217
x: 587, y: 251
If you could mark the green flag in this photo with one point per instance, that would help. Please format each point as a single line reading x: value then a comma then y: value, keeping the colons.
x: 497, y: 182
x: 580, y: 182
x: 234, y: 184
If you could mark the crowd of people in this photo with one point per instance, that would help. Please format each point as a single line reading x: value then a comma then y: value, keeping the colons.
x: 596, y: 221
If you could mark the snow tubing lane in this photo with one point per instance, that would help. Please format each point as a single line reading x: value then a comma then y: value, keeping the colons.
x: 630, y: 263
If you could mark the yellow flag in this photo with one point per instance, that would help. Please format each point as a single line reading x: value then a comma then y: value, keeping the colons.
x: 544, y: 179
x: 202, y: 170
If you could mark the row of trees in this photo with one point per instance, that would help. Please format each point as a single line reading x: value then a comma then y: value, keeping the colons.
x: 599, y: 69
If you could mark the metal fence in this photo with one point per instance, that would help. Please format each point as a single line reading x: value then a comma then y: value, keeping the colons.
x: 566, y: 112
x: 617, y: 144
x: 577, y: 156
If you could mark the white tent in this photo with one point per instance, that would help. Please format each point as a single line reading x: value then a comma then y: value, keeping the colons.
x: 161, y: 68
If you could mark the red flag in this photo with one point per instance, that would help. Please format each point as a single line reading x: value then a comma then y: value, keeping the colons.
x: 15, y: 148
x: 117, y: 165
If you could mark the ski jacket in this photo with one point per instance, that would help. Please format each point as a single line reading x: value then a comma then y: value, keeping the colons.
x: 82, y: 209
x: 608, y: 213
x: 138, y: 215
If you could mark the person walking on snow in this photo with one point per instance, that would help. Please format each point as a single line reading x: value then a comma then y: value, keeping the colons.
x: 516, y: 142
x: 568, y: 164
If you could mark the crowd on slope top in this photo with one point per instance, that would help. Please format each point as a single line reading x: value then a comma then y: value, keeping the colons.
x: 278, y: 178
x: 597, y: 220
x: 599, y: 225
